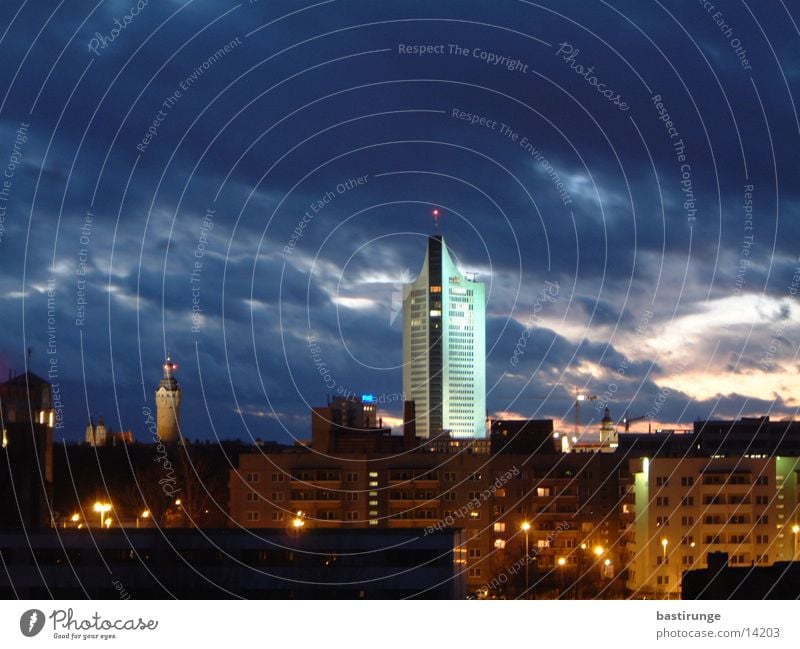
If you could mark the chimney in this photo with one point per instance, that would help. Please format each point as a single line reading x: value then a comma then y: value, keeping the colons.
x: 717, y: 561
x: 409, y: 424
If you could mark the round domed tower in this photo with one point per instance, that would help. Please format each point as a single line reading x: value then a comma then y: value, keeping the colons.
x: 608, y: 434
x: 168, y: 404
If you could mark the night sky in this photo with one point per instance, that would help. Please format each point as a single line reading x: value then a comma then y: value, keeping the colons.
x: 623, y: 175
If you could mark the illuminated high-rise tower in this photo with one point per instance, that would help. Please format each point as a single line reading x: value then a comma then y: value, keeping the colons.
x: 444, y: 347
x: 168, y: 404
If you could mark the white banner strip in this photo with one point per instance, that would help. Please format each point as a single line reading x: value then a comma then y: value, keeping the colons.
x: 370, y: 624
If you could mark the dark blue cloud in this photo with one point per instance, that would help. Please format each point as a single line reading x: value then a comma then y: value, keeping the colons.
x: 573, y: 191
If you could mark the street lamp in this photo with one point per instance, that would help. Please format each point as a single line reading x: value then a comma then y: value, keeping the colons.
x: 664, y: 543
x: 298, y: 521
x: 561, y: 563
x: 144, y: 514
x: 102, y: 509
x: 526, y: 526
x: 608, y: 571
x: 795, y: 531
x: 598, y: 550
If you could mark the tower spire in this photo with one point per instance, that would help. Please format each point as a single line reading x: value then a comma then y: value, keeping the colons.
x: 436, y: 219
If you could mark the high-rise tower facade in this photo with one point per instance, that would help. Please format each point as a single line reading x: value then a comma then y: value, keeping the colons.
x: 168, y: 404
x: 444, y: 347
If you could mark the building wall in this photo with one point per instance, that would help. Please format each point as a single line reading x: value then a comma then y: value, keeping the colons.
x: 569, y: 501
x: 408, y: 491
x: 744, y: 506
x: 464, y: 352
x: 26, y: 452
x: 416, y: 332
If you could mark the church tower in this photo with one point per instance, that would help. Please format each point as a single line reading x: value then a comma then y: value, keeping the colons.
x: 608, y: 434
x: 168, y: 405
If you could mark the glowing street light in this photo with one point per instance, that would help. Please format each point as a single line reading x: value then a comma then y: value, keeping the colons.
x: 298, y: 521
x: 598, y: 550
x: 526, y: 526
x: 608, y: 570
x: 102, y: 509
x: 144, y: 514
x: 795, y: 531
x: 664, y: 543
x: 561, y: 561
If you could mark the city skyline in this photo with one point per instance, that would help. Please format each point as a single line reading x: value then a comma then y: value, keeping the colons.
x: 244, y: 203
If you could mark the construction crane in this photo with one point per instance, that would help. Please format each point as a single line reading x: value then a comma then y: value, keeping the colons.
x: 627, y: 421
x: 579, y: 396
